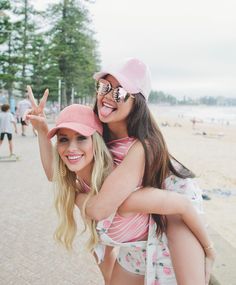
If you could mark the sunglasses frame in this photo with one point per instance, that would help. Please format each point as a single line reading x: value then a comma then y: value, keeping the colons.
x: 115, y: 92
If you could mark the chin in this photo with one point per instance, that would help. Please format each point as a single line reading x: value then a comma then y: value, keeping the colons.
x: 103, y: 119
x: 107, y: 119
x: 73, y: 168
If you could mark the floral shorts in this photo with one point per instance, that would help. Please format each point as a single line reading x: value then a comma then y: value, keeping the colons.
x: 133, y: 259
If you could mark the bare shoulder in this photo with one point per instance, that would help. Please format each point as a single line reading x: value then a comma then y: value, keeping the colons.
x: 132, y: 166
x: 136, y: 149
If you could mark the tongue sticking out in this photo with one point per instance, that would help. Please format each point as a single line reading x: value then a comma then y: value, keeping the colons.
x: 105, y: 111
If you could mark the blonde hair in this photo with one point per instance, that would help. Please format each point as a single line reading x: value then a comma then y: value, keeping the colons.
x: 66, y: 188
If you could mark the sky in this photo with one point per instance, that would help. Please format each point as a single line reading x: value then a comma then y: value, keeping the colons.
x: 189, y: 45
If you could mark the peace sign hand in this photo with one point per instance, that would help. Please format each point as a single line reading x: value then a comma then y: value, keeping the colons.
x: 36, y: 115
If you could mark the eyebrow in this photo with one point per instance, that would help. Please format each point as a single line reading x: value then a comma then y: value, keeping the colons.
x: 65, y: 135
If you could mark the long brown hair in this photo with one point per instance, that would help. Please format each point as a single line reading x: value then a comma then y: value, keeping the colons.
x: 158, y: 161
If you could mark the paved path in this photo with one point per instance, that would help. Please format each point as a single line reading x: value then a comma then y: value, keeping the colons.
x: 28, y: 253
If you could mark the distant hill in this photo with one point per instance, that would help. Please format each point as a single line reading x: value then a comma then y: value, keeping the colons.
x: 157, y: 97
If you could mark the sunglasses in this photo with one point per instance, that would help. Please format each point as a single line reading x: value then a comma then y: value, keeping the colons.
x: 119, y: 94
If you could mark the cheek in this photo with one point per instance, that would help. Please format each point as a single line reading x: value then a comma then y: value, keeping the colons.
x: 130, y: 106
x: 99, y: 98
x: 90, y: 152
x: 126, y: 109
x: 60, y: 150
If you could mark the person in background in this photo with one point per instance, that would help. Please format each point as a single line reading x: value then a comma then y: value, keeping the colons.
x: 6, y: 122
x: 22, y: 107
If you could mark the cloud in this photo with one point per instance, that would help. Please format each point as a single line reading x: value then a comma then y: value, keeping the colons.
x: 189, y: 45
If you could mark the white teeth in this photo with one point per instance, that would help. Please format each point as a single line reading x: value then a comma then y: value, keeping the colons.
x: 74, y: 157
x: 107, y: 105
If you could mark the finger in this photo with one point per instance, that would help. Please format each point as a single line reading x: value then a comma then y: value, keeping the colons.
x: 31, y: 97
x: 26, y: 113
x: 44, y: 99
x: 34, y: 117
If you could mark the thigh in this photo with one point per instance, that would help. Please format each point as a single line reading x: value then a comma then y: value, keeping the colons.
x: 9, y: 136
x: 106, y: 266
x: 23, y: 123
x: 2, y: 136
x: 121, y: 276
x: 187, y: 255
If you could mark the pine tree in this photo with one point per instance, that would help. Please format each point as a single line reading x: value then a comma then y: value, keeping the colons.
x: 8, y: 56
x: 66, y: 51
x: 73, y: 49
x: 26, y: 29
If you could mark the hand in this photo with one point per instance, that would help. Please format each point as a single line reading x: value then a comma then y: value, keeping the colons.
x: 36, y: 115
x: 210, y: 256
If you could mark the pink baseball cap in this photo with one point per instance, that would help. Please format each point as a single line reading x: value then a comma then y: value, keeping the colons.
x: 133, y: 75
x: 78, y: 118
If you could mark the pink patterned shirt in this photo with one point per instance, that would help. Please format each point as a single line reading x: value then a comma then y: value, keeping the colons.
x: 135, y: 227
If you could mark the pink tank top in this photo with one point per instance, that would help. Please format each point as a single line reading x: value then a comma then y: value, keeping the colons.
x: 135, y: 227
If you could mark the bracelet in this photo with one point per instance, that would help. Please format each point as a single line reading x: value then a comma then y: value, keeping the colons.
x: 211, y: 246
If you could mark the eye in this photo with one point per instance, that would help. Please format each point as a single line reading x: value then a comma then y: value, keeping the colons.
x: 81, y: 138
x: 62, y: 139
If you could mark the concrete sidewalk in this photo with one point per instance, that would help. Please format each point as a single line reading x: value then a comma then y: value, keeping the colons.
x: 28, y: 253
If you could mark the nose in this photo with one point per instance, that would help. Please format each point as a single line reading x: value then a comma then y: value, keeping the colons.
x: 109, y: 95
x: 73, y: 146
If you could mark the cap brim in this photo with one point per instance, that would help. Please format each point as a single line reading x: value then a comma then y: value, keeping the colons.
x: 124, y: 82
x: 79, y: 128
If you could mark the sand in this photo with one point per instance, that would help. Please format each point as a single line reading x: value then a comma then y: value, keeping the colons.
x: 209, y: 149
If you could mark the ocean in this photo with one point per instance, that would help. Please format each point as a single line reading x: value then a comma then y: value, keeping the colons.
x: 209, y: 114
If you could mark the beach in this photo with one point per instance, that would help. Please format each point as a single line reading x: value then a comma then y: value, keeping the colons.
x: 208, y: 149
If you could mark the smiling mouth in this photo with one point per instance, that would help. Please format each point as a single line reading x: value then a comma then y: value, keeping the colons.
x: 74, y: 158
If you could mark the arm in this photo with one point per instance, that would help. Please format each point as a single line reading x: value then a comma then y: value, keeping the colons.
x: 15, y: 126
x: 13, y: 121
x: 118, y: 185
x: 46, y: 153
x: 37, y: 118
x: 164, y: 202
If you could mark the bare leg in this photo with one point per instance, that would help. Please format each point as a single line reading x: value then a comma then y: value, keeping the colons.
x: 10, y: 147
x: 124, y: 277
x: 0, y: 142
x: 23, y: 129
x: 186, y: 253
x: 107, y: 265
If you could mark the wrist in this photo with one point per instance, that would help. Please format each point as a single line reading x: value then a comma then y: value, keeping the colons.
x: 43, y: 130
